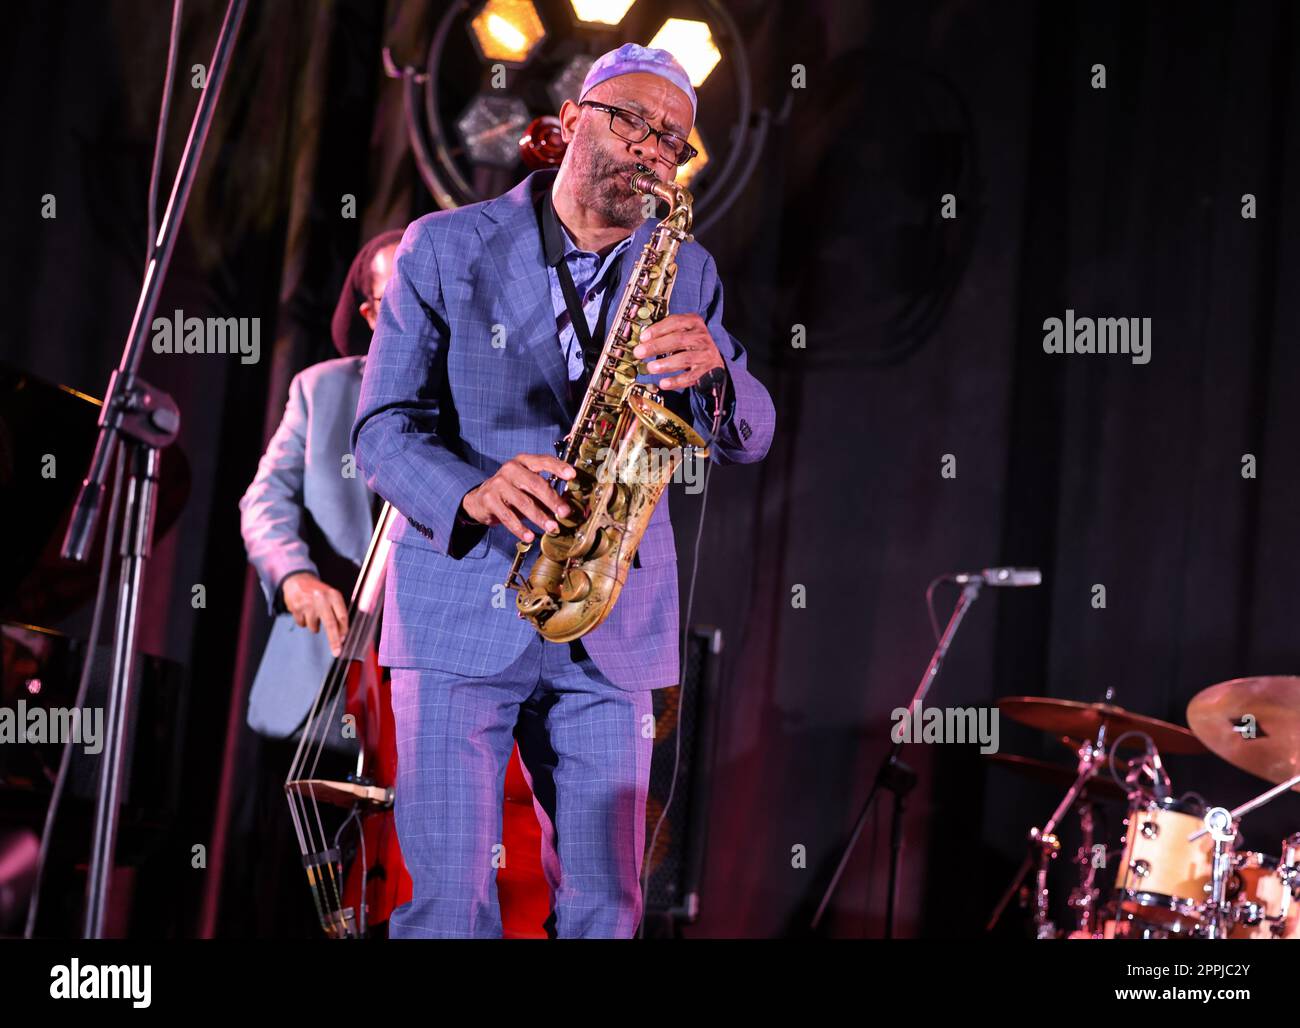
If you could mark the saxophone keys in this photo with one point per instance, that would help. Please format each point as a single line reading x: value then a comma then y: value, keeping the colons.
x: 576, y: 586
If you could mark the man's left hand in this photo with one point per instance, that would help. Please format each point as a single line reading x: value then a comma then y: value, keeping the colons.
x: 685, y: 348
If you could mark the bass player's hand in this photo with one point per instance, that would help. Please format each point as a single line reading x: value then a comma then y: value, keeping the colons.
x: 518, y: 493
x: 313, y: 603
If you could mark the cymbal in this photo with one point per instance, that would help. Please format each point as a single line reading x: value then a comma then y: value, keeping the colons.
x: 1082, y: 721
x: 1218, y: 714
x: 1098, y: 787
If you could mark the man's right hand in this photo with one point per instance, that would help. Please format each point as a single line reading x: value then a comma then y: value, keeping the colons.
x: 313, y: 603
x: 518, y: 493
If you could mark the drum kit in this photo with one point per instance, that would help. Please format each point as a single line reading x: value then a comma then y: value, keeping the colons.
x: 1178, y: 871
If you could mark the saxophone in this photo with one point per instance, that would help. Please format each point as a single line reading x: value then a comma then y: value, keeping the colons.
x: 624, y: 446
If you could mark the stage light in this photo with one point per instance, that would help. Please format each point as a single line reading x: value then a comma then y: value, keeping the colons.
x: 566, y: 85
x: 601, y: 12
x: 691, y: 42
x: 507, y: 30
x: 696, y: 164
x: 463, y: 150
x: 491, y: 127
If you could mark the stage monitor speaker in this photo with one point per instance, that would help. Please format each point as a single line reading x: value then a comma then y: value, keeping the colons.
x: 687, y: 713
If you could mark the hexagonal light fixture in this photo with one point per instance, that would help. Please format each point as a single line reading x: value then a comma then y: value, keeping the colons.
x: 691, y: 42
x: 568, y: 82
x: 507, y: 30
x: 601, y: 12
x: 491, y: 127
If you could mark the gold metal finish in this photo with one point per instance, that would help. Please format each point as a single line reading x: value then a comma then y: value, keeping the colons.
x: 625, y: 447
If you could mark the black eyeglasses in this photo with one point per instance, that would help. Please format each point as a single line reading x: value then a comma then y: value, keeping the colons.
x: 630, y: 126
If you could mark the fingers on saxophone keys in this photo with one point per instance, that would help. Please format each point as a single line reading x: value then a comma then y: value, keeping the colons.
x: 505, y: 516
x: 526, y: 506
x: 534, y: 492
x: 539, y: 462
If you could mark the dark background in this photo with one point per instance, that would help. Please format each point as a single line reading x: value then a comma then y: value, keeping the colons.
x: 924, y: 338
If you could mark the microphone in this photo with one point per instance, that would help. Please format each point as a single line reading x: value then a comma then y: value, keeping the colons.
x: 1163, y: 784
x: 712, y: 380
x: 1010, y: 577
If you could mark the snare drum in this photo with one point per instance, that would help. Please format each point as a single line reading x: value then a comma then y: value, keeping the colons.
x: 1163, y: 879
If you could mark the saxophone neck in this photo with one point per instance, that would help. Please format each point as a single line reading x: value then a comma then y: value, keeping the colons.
x: 678, y: 198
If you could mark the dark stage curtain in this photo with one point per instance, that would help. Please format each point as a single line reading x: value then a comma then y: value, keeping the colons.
x: 1118, y: 202
x: 917, y: 337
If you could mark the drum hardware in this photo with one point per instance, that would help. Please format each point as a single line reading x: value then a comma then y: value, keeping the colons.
x: 1048, y: 847
x: 1252, y: 804
x: 1084, y: 896
x: 1044, y: 845
x: 1180, y: 874
x: 1218, y: 915
x: 1072, y: 719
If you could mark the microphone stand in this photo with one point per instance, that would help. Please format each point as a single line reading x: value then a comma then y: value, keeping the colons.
x: 144, y: 420
x: 897, y: 777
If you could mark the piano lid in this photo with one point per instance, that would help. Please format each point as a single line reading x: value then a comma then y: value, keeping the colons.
x: 40, y: 421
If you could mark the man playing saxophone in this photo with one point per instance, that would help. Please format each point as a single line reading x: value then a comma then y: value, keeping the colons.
x: 489, y: 329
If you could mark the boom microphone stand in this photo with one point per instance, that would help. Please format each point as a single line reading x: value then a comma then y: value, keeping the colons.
x: 144, y: 420
x: 893, y: 774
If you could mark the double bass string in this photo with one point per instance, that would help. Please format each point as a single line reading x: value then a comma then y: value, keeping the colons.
x: 312, y: 839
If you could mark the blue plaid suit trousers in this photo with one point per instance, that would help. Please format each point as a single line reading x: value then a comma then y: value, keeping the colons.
x: 585, y: 746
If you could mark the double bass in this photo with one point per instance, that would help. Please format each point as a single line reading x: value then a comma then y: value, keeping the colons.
x: 343, y: 816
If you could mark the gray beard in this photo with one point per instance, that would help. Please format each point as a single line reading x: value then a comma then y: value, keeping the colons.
x: 612, y: 204
x: 609, y: 197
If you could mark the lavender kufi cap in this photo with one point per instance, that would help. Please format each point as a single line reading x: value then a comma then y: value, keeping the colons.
x: 629, y: 58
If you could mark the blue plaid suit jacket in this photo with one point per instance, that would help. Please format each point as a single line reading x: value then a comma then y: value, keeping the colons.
x: 465, y: 372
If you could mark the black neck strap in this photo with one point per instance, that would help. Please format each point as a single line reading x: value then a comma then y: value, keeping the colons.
x: 577, y: 317
x: 554, y: 245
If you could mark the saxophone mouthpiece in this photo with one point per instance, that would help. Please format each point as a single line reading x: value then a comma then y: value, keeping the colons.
x: 646, y: 181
